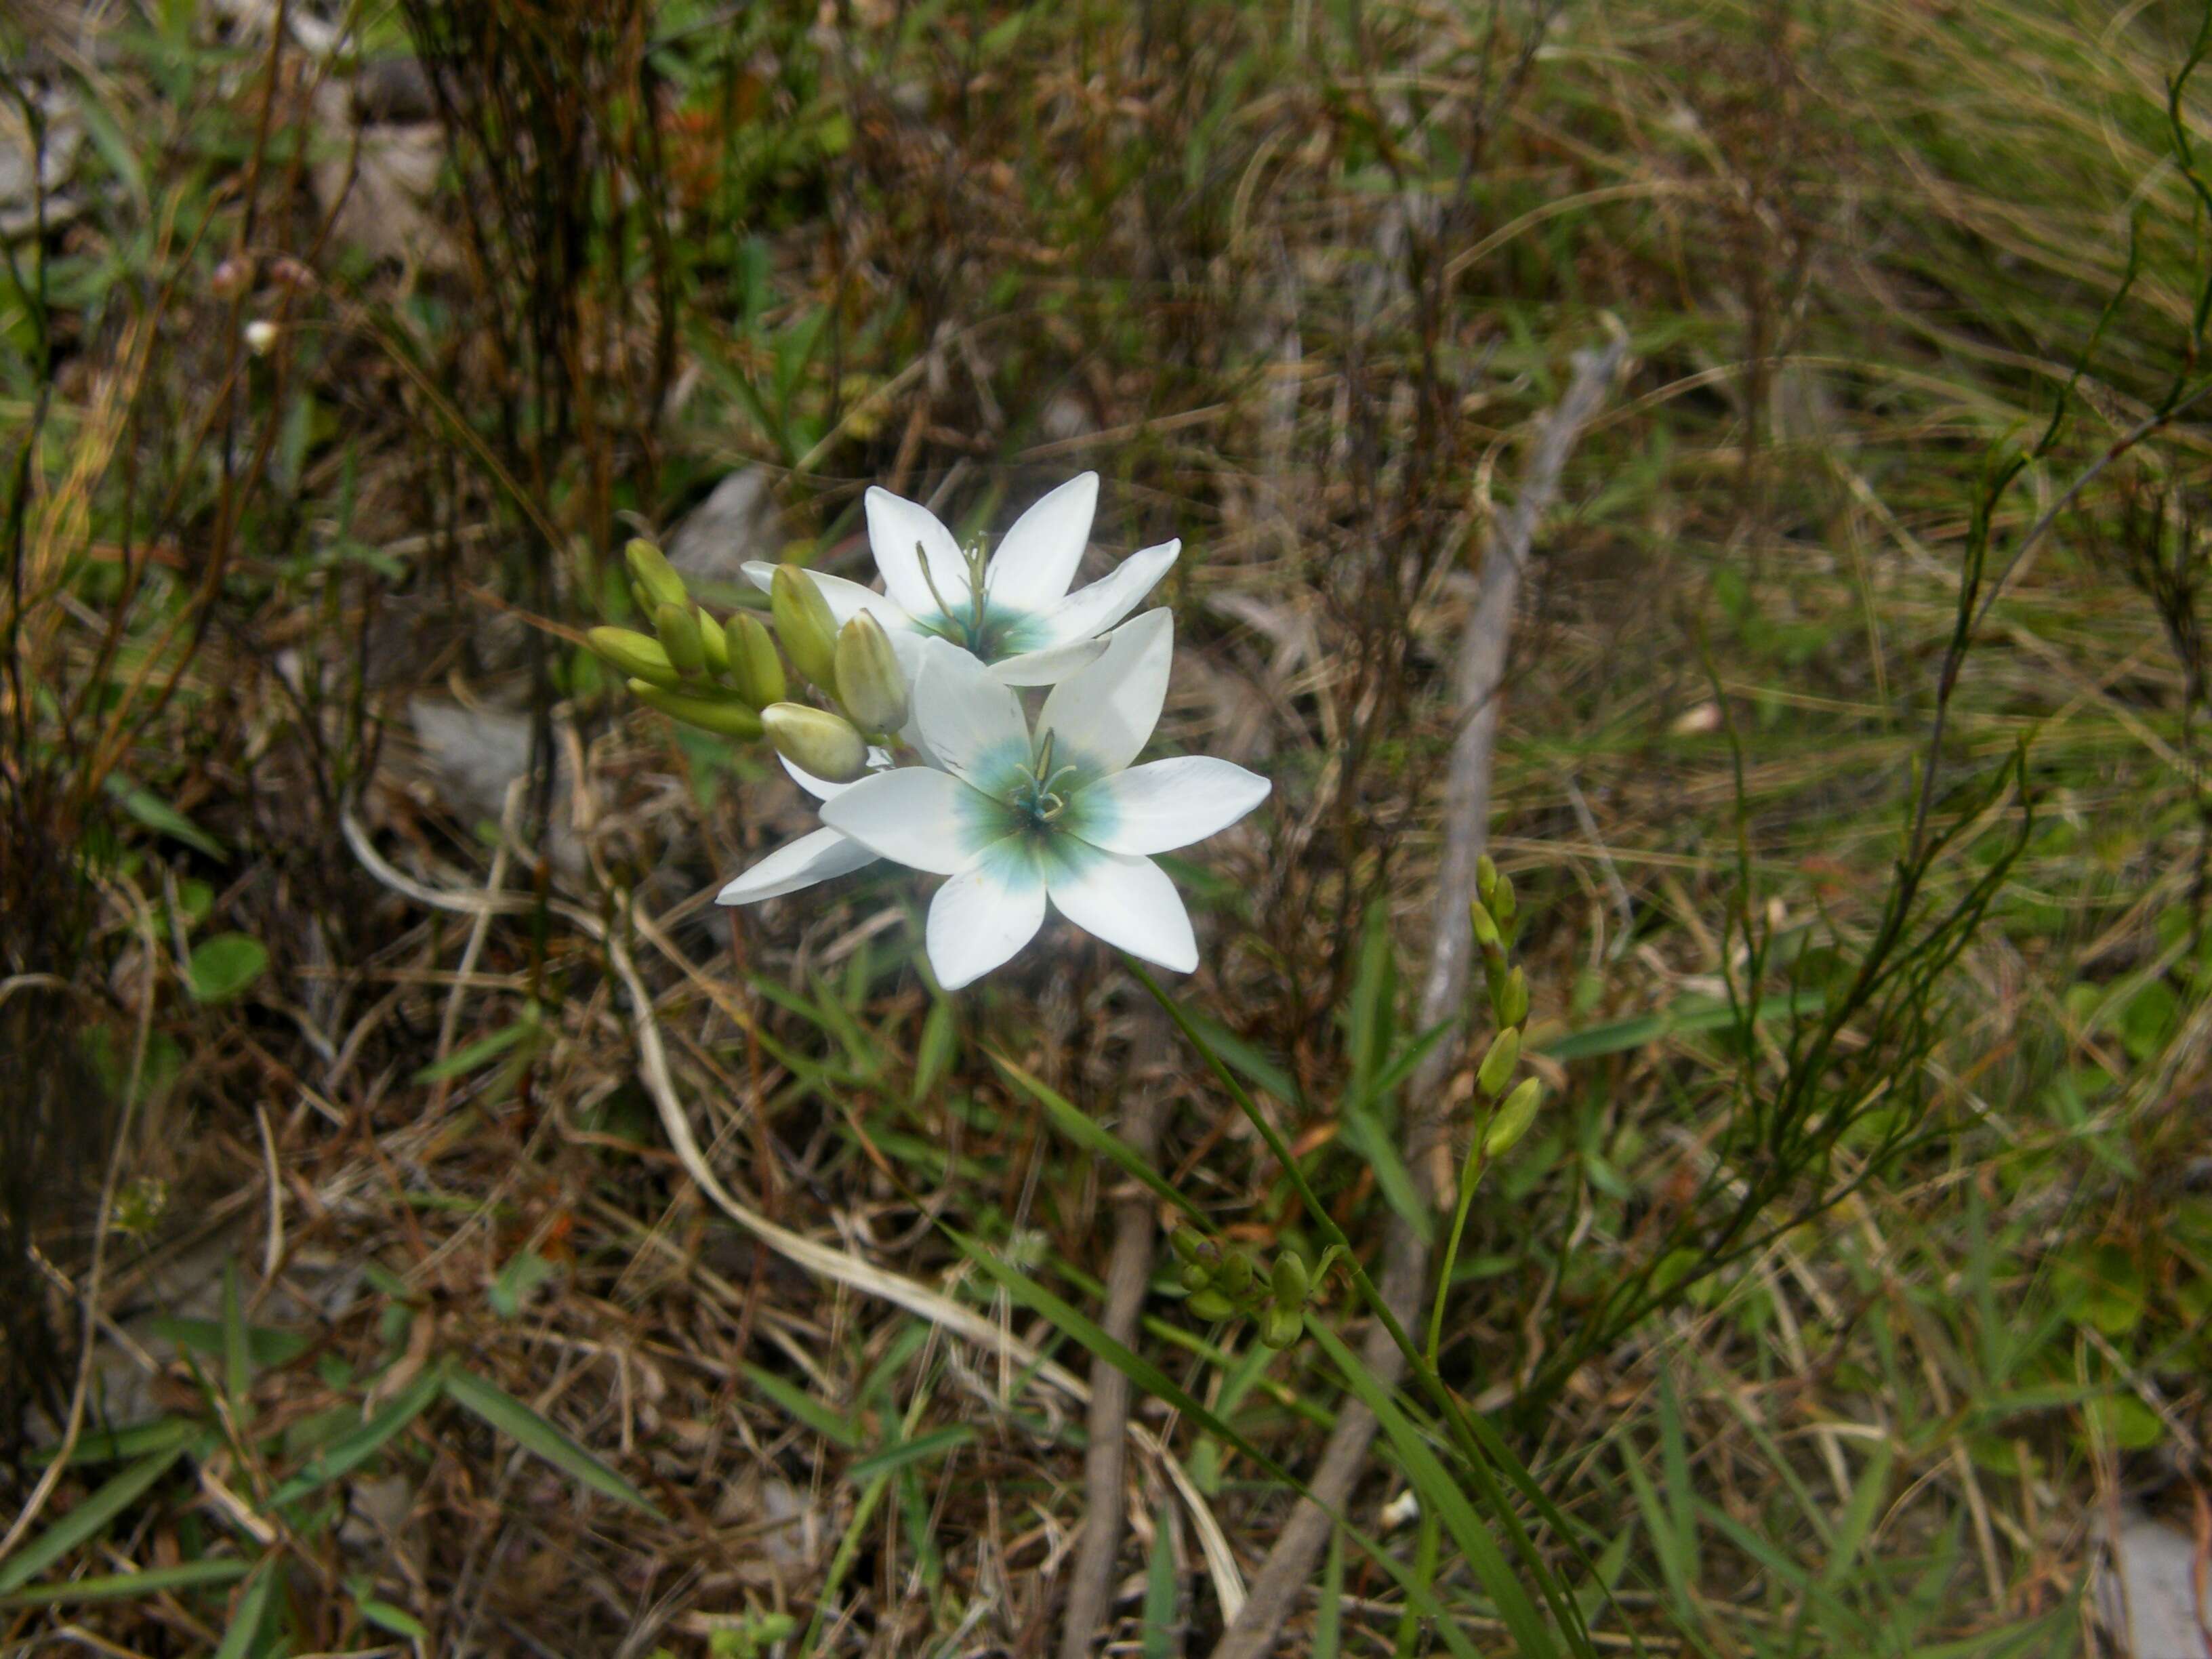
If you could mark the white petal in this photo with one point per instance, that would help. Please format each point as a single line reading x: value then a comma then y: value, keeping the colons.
x: 1048, y: 667
x: 896, y: 527
x: 822, y: 788
x: 1102, y: 716
x: 913, y: 815
x: 809, y: 859
x: 1126, y: 901
x: 984, y: 915
x: 1163, y: 804
x: 972, y: 723
x: 1095, y: 609
x: 1036, y: 561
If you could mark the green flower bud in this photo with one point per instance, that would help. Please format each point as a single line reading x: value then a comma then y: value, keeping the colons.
x: 1289, y: 1283
x: 1497, y: 1065
x: 1505, y: 904
x: 1191, y: 1245
x: 1513, y: 1001
x: 680, y: 636
x: 1280, y: 1327
x: 1486, y: 878
x: 1235, y: 1275
x: 714, y: 646
x: 754, y: 664
x: 815, y: 740
x: 636, y: 655
x: 1212, y: 1305
x: 719, y: 712
x: 1486, y: 930
x: 1195, y: 1275
x: 653, y: 572
x: 1513, y: 1118
x: 803, y: 623
x: 869, y: 683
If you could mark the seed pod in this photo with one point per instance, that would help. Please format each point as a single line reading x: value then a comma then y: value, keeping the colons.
x: 1280, y: 1327
x: 1290, y: 1284
x: 869, y: 681
x: 805, y: 625
x: 679, y: 637
x: 1513, y: 1001
x: 754, y: 664
x: 1486, y: 878
x: 1497, y: 1065
x: 1486, y: 929
x: 714, y: 644
x: 1195, y: 1275
x: 1505, y: 904
x: 1212, y: 1305
x: 815, y: 740
x: 1513, y: 1118
x: 653, y: 572
x: 718, y: 712
x: 636, y: 655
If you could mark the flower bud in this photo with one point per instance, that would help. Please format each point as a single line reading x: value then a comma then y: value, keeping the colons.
x: 1280, y: 1327
x: 805, y: 625
x: 679, y: 637
x: 1289, y: 1283
x: 636, y: 655
x: 261, y: 337
x: 1212, y: 1305
x: 1504, y: 904
x: 1195, y: 1275
x: 1513, y: 1118
x: 754, y: 664
x: 719, y: 712
x: 1486, y: 878
x: 653, y: 572
x: 1486, y: 929
x: 869, y: 682
x: 1191, y: 1245
x: 817, y: 741
x: 714, y: 644
x: 1512, y: 999
x: 1235, y: 1275
x: 1497, y: 1065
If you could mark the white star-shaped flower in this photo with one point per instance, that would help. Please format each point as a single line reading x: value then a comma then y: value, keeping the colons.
x: 1012, y: 611
x: 1015, y: 819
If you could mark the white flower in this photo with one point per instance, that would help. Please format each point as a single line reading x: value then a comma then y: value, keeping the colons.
x: 812, y: 858
x: 1012, y: 611
x: 1015, y: 819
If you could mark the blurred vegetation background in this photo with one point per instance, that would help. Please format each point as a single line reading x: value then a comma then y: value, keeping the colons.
x: 1848, y: 1295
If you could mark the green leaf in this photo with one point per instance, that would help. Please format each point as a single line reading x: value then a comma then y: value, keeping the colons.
x: 352, y: 1449
x: 1081, y: 1129
x: 125, y: 1586
x: 920, y: 1450
x: 1442, y: 1494
x: 524, y: 1272
x: 504, y: 1412
x: 134, y: 1440
x: 88, y: 1520
x: 164, y: 819
x: 465, y: 1059
x: 1687, y: 1018
x: 805, y: 1406
x: 252, y: 1609
x: 265, y: 1347
x: 223, y: 967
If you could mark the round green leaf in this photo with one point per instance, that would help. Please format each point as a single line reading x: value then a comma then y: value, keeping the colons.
x: 223, y: 966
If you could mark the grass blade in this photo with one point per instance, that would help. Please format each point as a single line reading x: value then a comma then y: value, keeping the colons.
x: 125, y: 1586
x: 357, y: 1446
x: 88, y: 1520
x: 1072, y: 1121
x: 503, y: 1411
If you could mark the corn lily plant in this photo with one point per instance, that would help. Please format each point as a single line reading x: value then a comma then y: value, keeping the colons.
x: 1021, y: 819
x: 1013, y: 610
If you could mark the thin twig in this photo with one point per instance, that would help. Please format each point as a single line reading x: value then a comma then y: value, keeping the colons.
x: 1090, y: 1586
x: 1477, y: 676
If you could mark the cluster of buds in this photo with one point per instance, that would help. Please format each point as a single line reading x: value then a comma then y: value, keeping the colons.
x: 728, y: 677
x: 1227, y: 1285
x: 1494, y: 915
